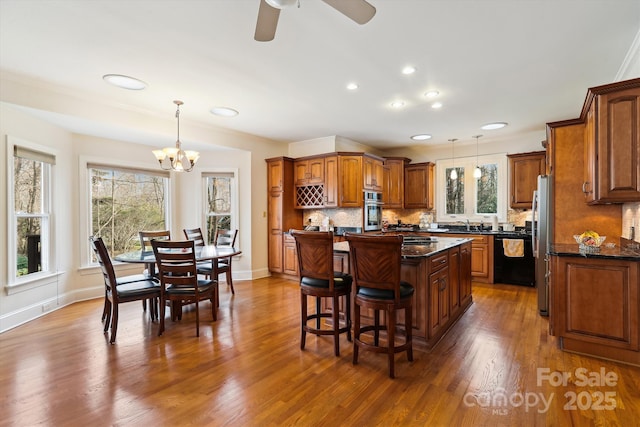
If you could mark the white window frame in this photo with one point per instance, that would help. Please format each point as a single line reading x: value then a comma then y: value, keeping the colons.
x: 234, y: 197
x: 86, y: 258
x: 469, y: 163
x: 47, y: 235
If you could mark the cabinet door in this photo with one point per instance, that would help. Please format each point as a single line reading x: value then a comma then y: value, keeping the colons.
x: 341, y: 262
x: 275, y: 251
x: 350, y: 181
x: 465, y: 274
x: 275, y: 175
x: 596, y: 301
x: 524, y: 169
x: 438, y: 300
x: 309, y: 171
x: 289, y: 257
x: 275, y: 210
x: 331, y: 181
x: 618, y: 142
x: 454, y: 280
x: 590, y: 163
x: 418, y: 186
x: 393, y: 189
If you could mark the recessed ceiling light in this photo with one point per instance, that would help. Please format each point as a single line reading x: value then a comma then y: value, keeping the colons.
x: 493, y: 126
x: 431, y: 93
x: 352, y: 86
x: 421, y: 137
x: 125, y: 82
x: 397, y: 104
x: 409, y: 69
x: 224, y: 111
x: 436, y: 105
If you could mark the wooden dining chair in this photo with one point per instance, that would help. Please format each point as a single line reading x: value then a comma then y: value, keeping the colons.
x: 223, y: 265
x: 117, y: 293
x: 179, y: 282
x: 147, y: 236
x: 318, y: 279
x: 375, y: 265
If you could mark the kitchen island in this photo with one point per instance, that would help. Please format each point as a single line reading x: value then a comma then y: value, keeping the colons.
x: 439, y: 268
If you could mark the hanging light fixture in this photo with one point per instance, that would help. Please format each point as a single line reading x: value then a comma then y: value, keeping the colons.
x: 454, y: 174
x: 477, y: 172
x: 179, y: 159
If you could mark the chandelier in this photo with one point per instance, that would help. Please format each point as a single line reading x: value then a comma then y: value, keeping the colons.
x: 179, y: 160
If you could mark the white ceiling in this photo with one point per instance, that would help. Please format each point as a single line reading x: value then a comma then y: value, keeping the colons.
x: 524, y: 62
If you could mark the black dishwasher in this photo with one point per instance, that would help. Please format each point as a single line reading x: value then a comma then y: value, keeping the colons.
x: 514, y: 270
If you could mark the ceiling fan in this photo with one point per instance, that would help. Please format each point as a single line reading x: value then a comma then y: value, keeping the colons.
x: 358, y: 10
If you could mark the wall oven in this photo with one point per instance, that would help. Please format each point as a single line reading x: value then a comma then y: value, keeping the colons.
x: 372, y: 211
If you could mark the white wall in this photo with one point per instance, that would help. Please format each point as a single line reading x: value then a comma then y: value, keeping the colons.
x: 77, y: 282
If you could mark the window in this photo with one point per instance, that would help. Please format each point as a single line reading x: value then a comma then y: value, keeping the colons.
x: 125, y: 201
x: 220, y: 202
x: 30, y: 245
x: 468, y: 198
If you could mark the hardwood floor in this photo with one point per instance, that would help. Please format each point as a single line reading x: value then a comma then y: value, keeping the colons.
x: 247, y: 369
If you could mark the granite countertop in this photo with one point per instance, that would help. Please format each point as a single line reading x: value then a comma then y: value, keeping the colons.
x: 625, y: 250
x: 413, y: 251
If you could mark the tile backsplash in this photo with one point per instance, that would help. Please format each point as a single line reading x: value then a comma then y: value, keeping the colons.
x: 630, y: 218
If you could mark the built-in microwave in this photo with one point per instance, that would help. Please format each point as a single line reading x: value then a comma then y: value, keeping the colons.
x: 372, y: 211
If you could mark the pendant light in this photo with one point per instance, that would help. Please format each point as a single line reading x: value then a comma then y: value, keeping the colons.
x: 454, y: 173
x: 477, y: 172
x: 179, y: 159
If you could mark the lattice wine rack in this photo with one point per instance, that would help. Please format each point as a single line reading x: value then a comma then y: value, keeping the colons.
x: 310, y: 196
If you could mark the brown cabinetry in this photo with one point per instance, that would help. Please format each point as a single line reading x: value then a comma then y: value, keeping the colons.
x: 439, y: 289
x: 481, y: 256
x: 309, y: 171
x: 373, y: 173
x: 393, y: 188
x: 419, y: 185
x: 281, y: 215
x: 594, y: 306
x: 289, y: 255
x: 524, y: 169
x: 350, y: 181
x: 331, y: 182
x: 612, y: 143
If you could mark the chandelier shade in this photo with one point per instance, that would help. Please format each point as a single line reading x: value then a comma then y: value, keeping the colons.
x: 175, y: 158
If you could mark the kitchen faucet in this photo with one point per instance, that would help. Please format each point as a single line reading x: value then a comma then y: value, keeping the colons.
x: 467, y: 224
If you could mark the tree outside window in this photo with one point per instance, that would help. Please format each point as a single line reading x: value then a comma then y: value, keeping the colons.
x: 219, y: 203
x: 32, y: 209
x: 125, y: 202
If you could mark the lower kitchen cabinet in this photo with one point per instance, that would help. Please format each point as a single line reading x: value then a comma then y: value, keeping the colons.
x: 595, y: 305
x: 289, y: 256
x: 481, y: 255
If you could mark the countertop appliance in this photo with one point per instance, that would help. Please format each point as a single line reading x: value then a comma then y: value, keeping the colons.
x: 372, y: 211
x: 541, y: 233
x: 514, y: 270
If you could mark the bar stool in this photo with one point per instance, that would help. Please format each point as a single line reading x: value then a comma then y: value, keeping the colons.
x: 318, y: 279
x: 375, y: 266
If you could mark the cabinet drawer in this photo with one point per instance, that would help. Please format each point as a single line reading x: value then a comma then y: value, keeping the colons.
x: 439, y: 261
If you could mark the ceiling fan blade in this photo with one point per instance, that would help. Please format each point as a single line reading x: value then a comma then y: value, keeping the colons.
x: 358, y: 10
x: 267, y: 22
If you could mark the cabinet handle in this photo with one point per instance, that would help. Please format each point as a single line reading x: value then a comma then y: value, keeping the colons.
x: 443, y: 284
x: 442, y: 261
x: 584, y: 187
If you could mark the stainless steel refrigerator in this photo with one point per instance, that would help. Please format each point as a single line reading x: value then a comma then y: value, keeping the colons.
x: 541, y: 236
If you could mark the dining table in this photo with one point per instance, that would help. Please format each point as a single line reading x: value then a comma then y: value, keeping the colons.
x: 203, y: 253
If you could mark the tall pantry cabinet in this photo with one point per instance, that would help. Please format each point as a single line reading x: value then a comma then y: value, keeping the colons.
x: 281, y: 215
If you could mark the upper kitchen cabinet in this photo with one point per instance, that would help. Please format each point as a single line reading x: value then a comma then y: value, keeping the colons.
x: 373, y: 173
x: 393, y: 184
x: 350, y: 180
x: 309, y: 171
x: 612, y: 143
x: 524, y: 169
x: 419, y: 185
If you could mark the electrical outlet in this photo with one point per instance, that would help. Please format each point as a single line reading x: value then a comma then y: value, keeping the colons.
x: 47, y: 307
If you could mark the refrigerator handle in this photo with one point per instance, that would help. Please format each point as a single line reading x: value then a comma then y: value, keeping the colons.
x: 534, y: 210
